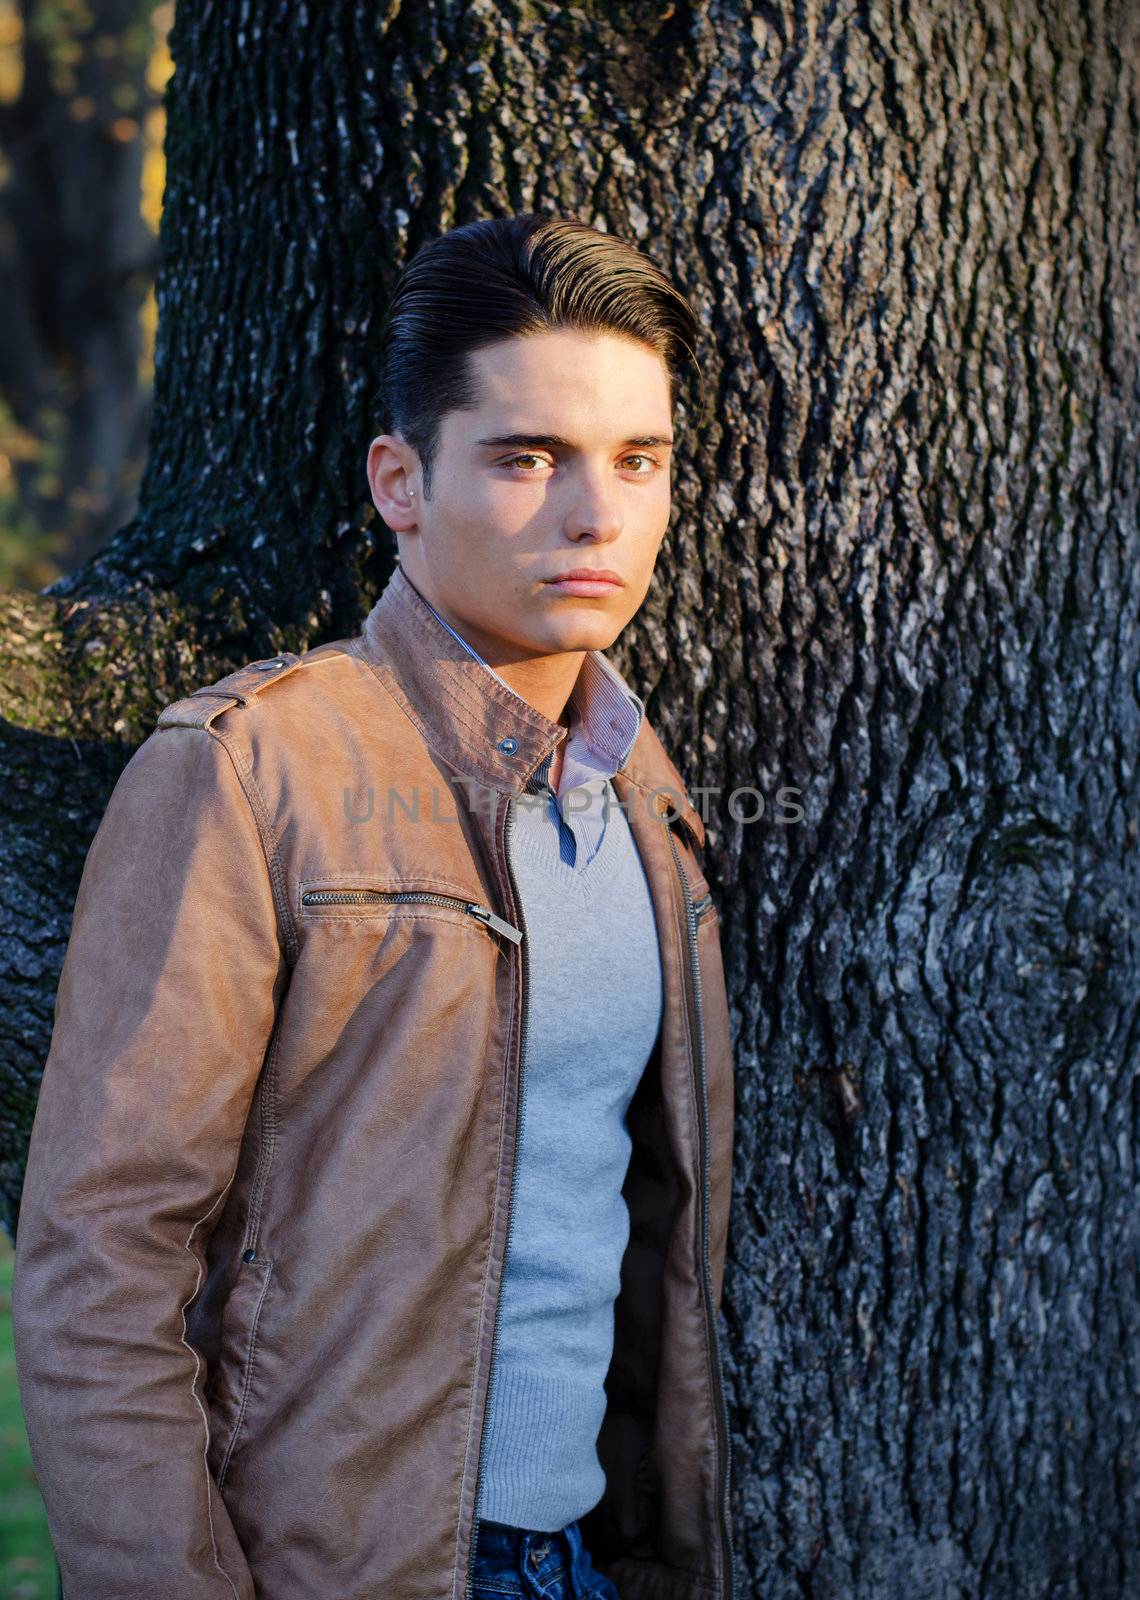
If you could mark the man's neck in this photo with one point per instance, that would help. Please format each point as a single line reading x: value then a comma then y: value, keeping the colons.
x: 545, y: 682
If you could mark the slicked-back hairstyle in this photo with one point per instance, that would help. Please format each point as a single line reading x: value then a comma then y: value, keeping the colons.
x: 505, y: 278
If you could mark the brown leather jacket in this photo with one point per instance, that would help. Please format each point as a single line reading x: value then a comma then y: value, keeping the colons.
x: 268, y: 1190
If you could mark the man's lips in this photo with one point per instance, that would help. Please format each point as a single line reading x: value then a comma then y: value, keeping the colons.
x: 594, y: 575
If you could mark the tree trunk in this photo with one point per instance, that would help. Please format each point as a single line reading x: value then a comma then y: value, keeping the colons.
x: 901, y: 582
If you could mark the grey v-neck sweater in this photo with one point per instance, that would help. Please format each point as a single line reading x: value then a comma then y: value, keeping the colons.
x: 594, y: 1008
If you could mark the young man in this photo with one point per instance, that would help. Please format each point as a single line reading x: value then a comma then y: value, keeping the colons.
x: 375, y: 1215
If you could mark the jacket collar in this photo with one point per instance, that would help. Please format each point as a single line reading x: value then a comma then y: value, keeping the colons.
x: 468, y: 715
x: 606, y: 718
x: 482, y: 727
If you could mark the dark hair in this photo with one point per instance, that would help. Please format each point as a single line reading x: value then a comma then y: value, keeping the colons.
x: 504, y: 278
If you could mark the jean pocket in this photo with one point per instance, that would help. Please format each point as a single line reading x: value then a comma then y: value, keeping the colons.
x: 494, y: 1585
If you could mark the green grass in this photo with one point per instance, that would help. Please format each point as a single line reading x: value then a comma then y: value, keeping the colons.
x: 27, y: 1562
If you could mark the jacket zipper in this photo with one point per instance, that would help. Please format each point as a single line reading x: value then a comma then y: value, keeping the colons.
x: 514, y: 1171
x: 356, y: 897
x: 692, y: 912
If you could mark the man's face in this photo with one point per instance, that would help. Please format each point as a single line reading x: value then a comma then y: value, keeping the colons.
x: 564, y: 463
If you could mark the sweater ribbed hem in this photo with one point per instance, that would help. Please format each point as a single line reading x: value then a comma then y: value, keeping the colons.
x: 540, y: 1466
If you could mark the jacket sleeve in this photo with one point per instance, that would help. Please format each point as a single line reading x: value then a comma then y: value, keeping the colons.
x: 166, y: 1003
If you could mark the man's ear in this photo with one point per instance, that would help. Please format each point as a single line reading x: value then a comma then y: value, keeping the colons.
x: 391, y: 465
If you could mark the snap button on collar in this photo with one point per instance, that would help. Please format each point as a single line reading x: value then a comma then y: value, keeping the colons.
x: 268, y: 666
x: 508, y: 746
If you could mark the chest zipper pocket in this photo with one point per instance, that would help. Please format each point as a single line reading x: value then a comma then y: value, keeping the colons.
x: 363, y: 897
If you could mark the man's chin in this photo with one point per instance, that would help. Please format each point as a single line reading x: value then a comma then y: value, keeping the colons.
x: 576, y: 633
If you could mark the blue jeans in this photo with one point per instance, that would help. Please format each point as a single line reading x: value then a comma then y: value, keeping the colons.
x: 538, y: 1566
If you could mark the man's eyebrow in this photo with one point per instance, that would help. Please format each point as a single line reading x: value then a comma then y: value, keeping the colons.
x: 554, y: 441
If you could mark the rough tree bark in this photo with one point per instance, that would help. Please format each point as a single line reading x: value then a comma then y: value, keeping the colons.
x: 902, y: 580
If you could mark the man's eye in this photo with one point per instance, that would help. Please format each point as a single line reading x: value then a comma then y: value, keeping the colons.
x: 521, y: 462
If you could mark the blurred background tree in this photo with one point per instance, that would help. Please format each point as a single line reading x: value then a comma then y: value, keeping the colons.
x: 81, y: 180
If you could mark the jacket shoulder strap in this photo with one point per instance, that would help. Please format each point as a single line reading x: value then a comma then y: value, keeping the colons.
x: 238, y: 688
